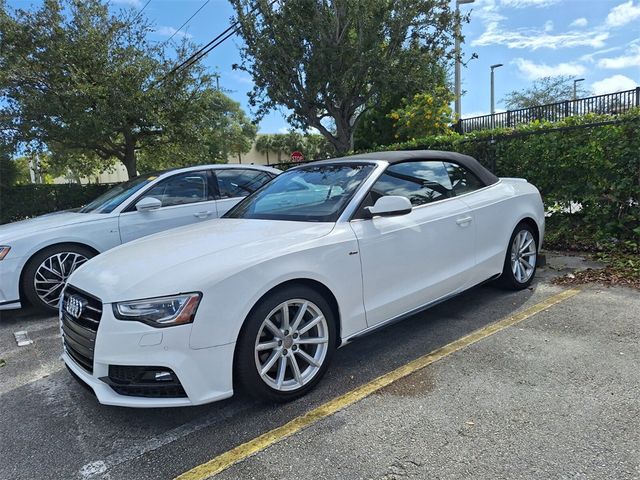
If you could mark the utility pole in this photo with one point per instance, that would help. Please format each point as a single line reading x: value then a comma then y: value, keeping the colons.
x: 458, y: 80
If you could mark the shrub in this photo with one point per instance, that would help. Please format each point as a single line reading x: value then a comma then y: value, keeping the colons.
x: 590, y: 162
x: 25, y: 201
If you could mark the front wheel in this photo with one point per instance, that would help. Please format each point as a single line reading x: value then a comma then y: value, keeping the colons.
x: 520, y: 262
x: 286, y: 344
x: 46, y: 273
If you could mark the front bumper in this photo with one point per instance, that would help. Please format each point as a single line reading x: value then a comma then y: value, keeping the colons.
x: 205, y: 374
x: 10, y: 269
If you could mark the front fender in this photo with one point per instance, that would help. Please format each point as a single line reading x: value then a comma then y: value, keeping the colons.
x: 226, y: 305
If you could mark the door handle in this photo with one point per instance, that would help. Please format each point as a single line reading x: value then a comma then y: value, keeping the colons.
x: 463, y: 222
x: 203, y: 214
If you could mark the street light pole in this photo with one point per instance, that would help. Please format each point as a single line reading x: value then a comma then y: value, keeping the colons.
x: 493, y: 102
x: 575, y: 90
x: 458, y: 81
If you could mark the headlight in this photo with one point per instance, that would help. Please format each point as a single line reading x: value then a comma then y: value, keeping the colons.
x: 4, y: 249
x: 161, y: 311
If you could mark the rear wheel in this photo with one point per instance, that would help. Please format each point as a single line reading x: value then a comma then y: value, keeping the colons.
x: 522, y: 255
x: 286, y: 344
x: 46, y: 273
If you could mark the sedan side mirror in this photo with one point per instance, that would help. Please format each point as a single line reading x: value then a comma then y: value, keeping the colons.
x: 147, y: 204
x: 390, y: 206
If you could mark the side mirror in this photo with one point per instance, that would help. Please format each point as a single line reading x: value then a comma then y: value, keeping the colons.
x: 390, y: 206
x: 147, y: 204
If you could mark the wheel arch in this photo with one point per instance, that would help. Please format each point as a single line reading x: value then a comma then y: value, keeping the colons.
x: 314, y: 285
x: 527, y: 220
x: 40, y: 250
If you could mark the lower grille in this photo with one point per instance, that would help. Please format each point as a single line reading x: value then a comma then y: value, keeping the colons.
x: 144, y: 381
x: 79, y: 332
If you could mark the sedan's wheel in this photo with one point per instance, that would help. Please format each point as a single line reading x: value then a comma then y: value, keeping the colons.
x: 47, y: 272
x: 286, y: 344
x: 520, y: 263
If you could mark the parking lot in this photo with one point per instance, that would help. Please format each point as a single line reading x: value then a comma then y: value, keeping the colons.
x: 554, y: 394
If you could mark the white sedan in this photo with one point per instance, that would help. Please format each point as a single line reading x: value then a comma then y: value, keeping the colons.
x: 38, y: 255
x: 261, y: 298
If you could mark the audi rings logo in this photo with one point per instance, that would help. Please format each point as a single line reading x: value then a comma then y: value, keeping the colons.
x: 74, y: 306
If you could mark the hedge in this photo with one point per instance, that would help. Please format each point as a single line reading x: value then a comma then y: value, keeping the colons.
x: 25, y: 201
x: 592, y: 162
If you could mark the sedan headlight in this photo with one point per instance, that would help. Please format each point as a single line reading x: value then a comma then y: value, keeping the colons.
x: 4, y: 249
x: 161, y: 311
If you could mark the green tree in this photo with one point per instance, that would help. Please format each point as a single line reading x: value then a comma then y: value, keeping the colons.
x: 325, y: 60
x: 543, y: 91
x: 91, y: 89
x: 264, y: 144
x: 425, y: 114
x: 376, y: 127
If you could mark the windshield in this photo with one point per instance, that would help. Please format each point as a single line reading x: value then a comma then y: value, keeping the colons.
x: 110, y: 199
x: 316, y: 193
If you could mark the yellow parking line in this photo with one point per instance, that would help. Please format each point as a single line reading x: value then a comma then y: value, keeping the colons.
x: 241, y: 452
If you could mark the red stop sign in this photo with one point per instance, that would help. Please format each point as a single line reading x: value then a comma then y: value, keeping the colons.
x: 297, y: 156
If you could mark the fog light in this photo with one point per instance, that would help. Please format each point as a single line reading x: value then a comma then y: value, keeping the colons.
x: 163, y: 377
x: 157, y: 376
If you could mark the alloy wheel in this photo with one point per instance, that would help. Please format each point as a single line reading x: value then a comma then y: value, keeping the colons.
x: 523, y: 256
x: 51, y: 275
x: 291, y: 345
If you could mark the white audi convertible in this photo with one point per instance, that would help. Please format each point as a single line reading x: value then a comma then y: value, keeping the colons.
x: 261, y: 298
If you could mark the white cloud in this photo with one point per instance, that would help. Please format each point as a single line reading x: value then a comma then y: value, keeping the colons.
x: 496, y: 33
x: 534, y: 39
x: 615, y: 83
x: 534, y: 71
x: 167, y: 31
x: 579, y: 23
x: 624, y: 13
x: 527, y: 3
x: 629, y: 60
x: 241, y: 77
x: 130, y: 3
x: 548, y: 26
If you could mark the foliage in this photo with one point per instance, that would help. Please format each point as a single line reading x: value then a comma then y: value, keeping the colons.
x: 376, y: 127
x: 587, y: 173
x: 312, y: 146
x: 544, y: 91
x: 326, y: 60
x: 25, y: 201
x: 219, y: 129
x: 90, y: 89
x: 425, y: 114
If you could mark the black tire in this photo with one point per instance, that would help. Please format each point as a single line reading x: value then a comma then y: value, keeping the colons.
x: 246, y: 375
x: 28, y: 278
x: 509, y: 279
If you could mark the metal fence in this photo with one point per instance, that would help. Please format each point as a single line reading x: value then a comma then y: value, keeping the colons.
x: 610, y: 103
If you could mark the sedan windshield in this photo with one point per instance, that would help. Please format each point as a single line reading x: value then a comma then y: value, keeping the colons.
x: 315, y: 193
x: 109, y: 200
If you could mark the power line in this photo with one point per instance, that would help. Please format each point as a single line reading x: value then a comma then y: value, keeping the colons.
x: 188, y: 20
x: 141, y: 10
x: 217, y: 41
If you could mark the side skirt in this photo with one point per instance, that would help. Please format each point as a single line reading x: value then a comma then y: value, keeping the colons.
x: 410, y: 313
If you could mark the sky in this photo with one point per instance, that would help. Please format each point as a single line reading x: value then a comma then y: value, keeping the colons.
x: 598, y: 40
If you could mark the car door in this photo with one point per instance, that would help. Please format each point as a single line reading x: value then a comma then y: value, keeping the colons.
x: 236, y: 183
x: 414, y: 259
x: 186, y: 198
x: 489, y: 209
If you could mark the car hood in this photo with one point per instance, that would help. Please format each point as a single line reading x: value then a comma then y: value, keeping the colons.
x: 37, y: 225
x: 183, y: 259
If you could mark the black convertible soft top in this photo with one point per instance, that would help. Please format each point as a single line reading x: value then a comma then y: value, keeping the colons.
x: 466, y: 161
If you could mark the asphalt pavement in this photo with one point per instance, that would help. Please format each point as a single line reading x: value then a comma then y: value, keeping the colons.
x: 555, y: 396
